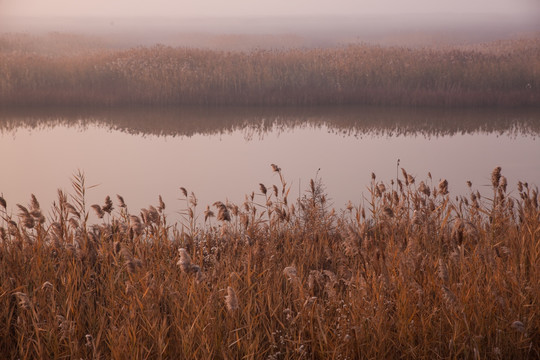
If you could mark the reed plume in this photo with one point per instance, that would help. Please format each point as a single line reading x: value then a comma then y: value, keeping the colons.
x: 231, y: 300
x: 443, y: 187
x: 495, y: 177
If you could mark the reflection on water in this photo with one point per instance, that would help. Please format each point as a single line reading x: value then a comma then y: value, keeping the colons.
x: 350, y: 121
x: 141, y: 153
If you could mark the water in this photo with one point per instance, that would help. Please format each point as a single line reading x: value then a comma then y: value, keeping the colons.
x: 223, y: 154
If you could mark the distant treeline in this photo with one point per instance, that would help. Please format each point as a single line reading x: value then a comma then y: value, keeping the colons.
x: 359, y: 74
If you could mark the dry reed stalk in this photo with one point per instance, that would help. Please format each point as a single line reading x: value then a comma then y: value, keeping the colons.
x: 376, y: 281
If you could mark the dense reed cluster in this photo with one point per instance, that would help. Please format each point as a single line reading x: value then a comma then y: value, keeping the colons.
x: 502, y: 74
x: 412, y: 272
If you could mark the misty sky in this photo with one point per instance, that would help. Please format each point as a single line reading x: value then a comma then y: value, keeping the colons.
x: 195, y: 8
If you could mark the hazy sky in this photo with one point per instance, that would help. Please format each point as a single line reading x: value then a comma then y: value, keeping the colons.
x: 186, y: 8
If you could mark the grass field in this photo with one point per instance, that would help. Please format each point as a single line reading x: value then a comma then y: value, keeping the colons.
x: 69, y: 71
x: 415, y: 272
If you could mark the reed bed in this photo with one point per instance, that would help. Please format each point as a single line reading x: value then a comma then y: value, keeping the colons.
x: 502, y: 73
x: 412, y: 273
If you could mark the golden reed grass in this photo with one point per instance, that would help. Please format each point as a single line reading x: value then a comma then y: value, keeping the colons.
x: 494, y: 74
x: 416, y: 273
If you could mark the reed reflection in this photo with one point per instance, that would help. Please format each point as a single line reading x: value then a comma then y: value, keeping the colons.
x: 256, y: 122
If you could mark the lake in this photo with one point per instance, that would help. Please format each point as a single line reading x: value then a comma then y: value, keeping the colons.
x: 224, y: 153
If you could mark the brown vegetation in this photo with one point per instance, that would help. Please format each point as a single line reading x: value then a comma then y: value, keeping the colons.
x: 499, y: 74
x: 415, y: 273
x: 259, y: 121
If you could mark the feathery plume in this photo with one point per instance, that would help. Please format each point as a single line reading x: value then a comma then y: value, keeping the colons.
x: 503, y: 183
x: 135, y: 224
x: 193, y: 199
x: 161, y: 206
x: 223, y: 212
x: 208, y: 213
x: 519, y: 326
x: 185, y: 260
x: 443, y: 187
x: 290, y: 272
x: 231, y: 300
x: 496, y: 176
x: 443, y: 272
x: 34, y: 204
x: 24, y: 301
x: 121, y: 201
x: 184, y: 191
x: 388, y: 211
x: 99, y: 212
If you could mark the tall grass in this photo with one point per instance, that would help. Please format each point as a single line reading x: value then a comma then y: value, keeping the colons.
x: 499, y: 74
x: 413, y: 273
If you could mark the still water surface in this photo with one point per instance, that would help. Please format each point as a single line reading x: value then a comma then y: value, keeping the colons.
x: 223, y: 154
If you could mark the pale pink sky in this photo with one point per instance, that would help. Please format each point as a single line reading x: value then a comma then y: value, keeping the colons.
x: 186, y: 8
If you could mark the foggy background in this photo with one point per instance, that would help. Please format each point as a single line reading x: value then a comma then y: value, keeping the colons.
x: 242, y: 24
x: 250, y: 8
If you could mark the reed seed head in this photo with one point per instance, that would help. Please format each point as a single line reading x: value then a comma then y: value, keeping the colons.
x: 290, y: 272
x: 503, y: 183
x: 443, y: 272
x: 231, y: 300
x: 208, y: 213
x: 519, y: 326
x: 135, y: 224
x: 443, y: 187
x: 388, y: 212
x: 223, y: 213
x: 184, y: 191
x: 496, y: 176
x: 108, y: 206
x: 185, y: 260
x: 121, y: 201
x: 161, y: 204
x: 193, y: 199
x: 34, y: 204
x: 99, y: 211
x: 24, y: 301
